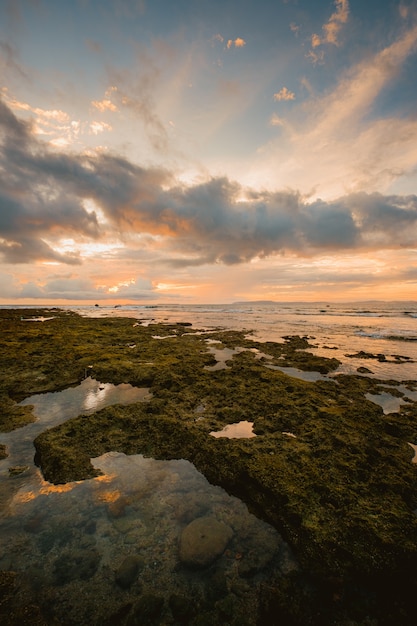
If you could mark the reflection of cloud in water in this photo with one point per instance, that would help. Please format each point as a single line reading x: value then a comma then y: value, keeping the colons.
x: 389, y: 403
x: 95, y: 397
x: 140, y: 505
x: 100, y: 395
x: 222, y: 355
x: 52, y: 409
x: 89, y: 396
x: 241, y: 430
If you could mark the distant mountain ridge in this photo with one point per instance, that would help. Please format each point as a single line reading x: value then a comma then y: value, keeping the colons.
x: 254, y: 302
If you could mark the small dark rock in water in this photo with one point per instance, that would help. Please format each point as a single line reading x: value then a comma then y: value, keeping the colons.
x: 147, y: 612
x: 3, y: 452
x: 216, y: 587
x: 17, y: 470
x: 203, y: 541
x: 181, y: 608
x: 364, y: 370
x: 128, y: 571
x: 119, y: 616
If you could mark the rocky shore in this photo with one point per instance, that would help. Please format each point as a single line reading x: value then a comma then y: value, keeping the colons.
x: 327, y: 468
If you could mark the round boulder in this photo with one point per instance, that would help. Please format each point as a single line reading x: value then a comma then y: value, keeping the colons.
x: 203, y: 541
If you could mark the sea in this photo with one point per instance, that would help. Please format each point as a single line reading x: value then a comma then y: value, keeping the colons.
x: 336, y: 330
x: 101, y: 550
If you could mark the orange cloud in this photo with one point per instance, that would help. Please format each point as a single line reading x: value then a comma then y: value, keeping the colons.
x: 237, y: 43
x: 57, y: 116
x: 332, y: 28
x: 276, y: 121
x: 284, y: 94
x: 99, y: 127
x: 104, y: 105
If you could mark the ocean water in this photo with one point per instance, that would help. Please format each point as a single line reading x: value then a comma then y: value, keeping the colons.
x: 72, y: 545
x: 336, y: 330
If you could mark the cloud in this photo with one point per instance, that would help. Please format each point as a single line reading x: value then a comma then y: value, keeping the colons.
x: 99, y: 127
x: 104, y: 105
x: 43, y: 195
x: 332, y: 28
x: 276, y: 120
x: 53, y: 123
x: 403, y: 10
x: 217, y: 37
x: 31, y: 207
x: 136, y: 92
x: 74, y: 288
x: 284, y: 94
x: 9, y: 62
x: 342, y: 142
x: 236, y: 43
x: 54, y: 115
x: 107, y: 104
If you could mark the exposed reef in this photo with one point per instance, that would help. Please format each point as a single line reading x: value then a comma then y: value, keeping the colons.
x: 341, y: 489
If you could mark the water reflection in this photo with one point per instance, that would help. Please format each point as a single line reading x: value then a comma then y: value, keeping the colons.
x: 389, y: 403
x: 96, y: 551
x: 296, y: 373
x: 240, y: 430
x: 52, y: 409
x: 222, y: 355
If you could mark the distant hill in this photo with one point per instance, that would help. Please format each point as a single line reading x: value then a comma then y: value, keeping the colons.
x: 245, y: 302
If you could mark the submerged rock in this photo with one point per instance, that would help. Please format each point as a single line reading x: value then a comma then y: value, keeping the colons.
x: 128, y: 571
x: 147, y: 611
x: 203, y: 541
x: 17, y: 470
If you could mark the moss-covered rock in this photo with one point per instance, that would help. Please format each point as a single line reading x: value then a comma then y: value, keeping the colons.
x: 327, y: 467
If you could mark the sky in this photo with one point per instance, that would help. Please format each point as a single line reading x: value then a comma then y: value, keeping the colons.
x: 207, y: 151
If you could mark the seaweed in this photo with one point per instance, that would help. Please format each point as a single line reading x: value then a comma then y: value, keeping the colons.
x: 327, y: 468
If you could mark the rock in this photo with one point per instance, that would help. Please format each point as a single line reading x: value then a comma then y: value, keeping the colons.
x: 147, y: 611
x: 182, y: 608
x: 17, y: 470
x: 128, y: 571
x: 203, y: 541
x: 124, y: 524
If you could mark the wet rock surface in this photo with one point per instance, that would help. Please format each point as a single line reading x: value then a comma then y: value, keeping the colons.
x: 342, y: 490
x: 203, y: 541
x: 128, y: 571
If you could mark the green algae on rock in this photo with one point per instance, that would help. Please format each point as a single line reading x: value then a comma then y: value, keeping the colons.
x: 342, y: 489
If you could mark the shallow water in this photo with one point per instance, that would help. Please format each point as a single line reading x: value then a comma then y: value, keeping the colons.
x: 70, y: 542
x: 388, y: 402
x: 55, y: 408
x: 239, y: 430
x: 337, y: 330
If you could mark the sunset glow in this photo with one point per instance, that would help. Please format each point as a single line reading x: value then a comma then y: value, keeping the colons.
x: 207, y: 152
